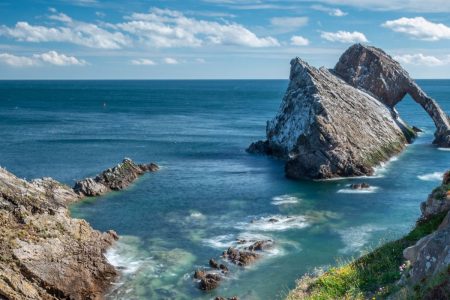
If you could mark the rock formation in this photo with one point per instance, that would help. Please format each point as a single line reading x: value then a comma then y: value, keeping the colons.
x: 342, y: 122
x: 115, y: 179
x: 45, y: 254
x: 431, y: 254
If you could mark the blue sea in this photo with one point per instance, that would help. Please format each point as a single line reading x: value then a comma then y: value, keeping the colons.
x: 209, y: 191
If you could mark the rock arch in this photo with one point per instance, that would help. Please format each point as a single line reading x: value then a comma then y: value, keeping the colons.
x: 374, y: 71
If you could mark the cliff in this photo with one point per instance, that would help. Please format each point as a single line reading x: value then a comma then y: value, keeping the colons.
x: 46, y: 254
x: 416, y: 266
x: 343, y: 122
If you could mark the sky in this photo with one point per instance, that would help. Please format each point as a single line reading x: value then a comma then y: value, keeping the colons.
x: 214, y: 39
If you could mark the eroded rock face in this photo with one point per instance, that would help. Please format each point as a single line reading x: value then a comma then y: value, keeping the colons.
x: 116, y: 178
x: 438, y: 201
x: 342, y: 122
x: 45, y: 253
x: 372, y: 70
x: 431, y: 254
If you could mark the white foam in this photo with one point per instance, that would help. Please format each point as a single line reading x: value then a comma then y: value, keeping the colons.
x: 282, y: 223
x: 444, y: 149
x: 220, y: 241
x: 435, y: 176
x: 127, y: 264
x: 355, y: 238
x: 368, y: 190
x: 284, y: 199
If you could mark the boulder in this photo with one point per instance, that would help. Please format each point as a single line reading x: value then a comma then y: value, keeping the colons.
x: 343, y: 122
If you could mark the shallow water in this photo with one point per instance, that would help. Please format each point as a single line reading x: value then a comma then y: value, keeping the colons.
x: 209, y: 191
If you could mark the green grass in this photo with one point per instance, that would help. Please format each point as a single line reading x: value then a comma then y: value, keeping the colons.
x: 371, y: 276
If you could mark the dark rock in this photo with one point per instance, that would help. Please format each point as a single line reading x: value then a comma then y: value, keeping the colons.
x: 223, y: 268
x: 342, y: 122
x: 260, y: 245
x: 273, y: 220
x: 416, y: 129
x: 210, y: 282
x: 213, y: 264
x: 359, y: 186
x: 240, y: 258
x: 199, y: 274
x: 117, y: 178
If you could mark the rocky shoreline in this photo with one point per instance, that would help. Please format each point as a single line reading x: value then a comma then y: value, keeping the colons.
x: 46, y: 254
x: 342, y: 122
x: 416, y: 266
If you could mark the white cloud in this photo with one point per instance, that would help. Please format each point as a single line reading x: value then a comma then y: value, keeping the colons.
x: 168, y: 28
x: 79, y: 33
x: 344, y: 37
x: 143, y: 61
x: 50, y: 57
x: 419, y: 28
x: 57, y: 59
x: 335, y: 12
x: 289, y: 22
x: 200, y: 60
x: 297, y: 40
x: 170, y: 61
x: 420, y: 59
x: 17, y: 61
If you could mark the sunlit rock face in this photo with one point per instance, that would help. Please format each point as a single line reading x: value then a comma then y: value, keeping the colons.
x: 342, y: 122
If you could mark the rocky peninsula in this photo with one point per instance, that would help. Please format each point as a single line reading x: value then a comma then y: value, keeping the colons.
x: 46, y: 254
x: 343, y: 122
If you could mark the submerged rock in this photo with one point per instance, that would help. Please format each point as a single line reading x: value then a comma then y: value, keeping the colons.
x: 342, y: 122
x: 117, y: 178
x: 359, y: 186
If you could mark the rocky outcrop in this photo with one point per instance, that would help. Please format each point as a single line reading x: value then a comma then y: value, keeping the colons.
x: 438, y: 201
x: 342, y: 122
x: 431, y: 254
x: 44, y: 253
x: 372, y: 70
x: 115, y: 179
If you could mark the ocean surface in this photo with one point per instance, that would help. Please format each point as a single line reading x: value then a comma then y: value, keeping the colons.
x: 209, y: 191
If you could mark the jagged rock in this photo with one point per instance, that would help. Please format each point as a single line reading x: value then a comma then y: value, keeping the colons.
x: 209, y: 282
x: 343, y: 122
x: 199, y: 274
x: 116, y: 178
x: 431, y: 254
x: 223, y: 268
x: 438, y: 201
x: 416, y: 129
x: 240, y: 258
x: 213, y: 264
x: 359, y: 186
x: 44, y: 253
x: 260, y: 245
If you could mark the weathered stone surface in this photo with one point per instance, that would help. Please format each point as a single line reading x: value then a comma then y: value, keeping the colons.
x: 44, y: 253
x: 438, y: 201
x: 210, y: 282
x: 342, y: 122
x: 431, y: 254
x: 116, y: 178
x: 240, y: 257
x: 372, y: 70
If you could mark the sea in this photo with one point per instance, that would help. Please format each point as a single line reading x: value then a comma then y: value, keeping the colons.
x: 209, y: 192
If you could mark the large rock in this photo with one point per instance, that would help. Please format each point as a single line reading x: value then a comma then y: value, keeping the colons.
x: 343, y: 122
x: 438, y: 201
x: 431, y: 254
x: 116, y: 178
x: 44, y: 253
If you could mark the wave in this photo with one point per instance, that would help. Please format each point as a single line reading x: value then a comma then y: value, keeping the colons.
x: 368, y: 190
x: 284, y: 199
x: 435, y: 176
x: 275, y: 223
x: 443, y: 149
x: 221, y: 241
x: 355, y: 238
x: 126, y: 264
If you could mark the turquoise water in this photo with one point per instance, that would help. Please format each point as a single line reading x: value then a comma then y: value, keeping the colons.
x: 209, y: 189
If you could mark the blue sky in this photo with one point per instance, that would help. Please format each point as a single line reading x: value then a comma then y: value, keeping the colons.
x: 212, y: 39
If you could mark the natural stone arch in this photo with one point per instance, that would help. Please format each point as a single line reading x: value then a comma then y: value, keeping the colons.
x: 373, y: 70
